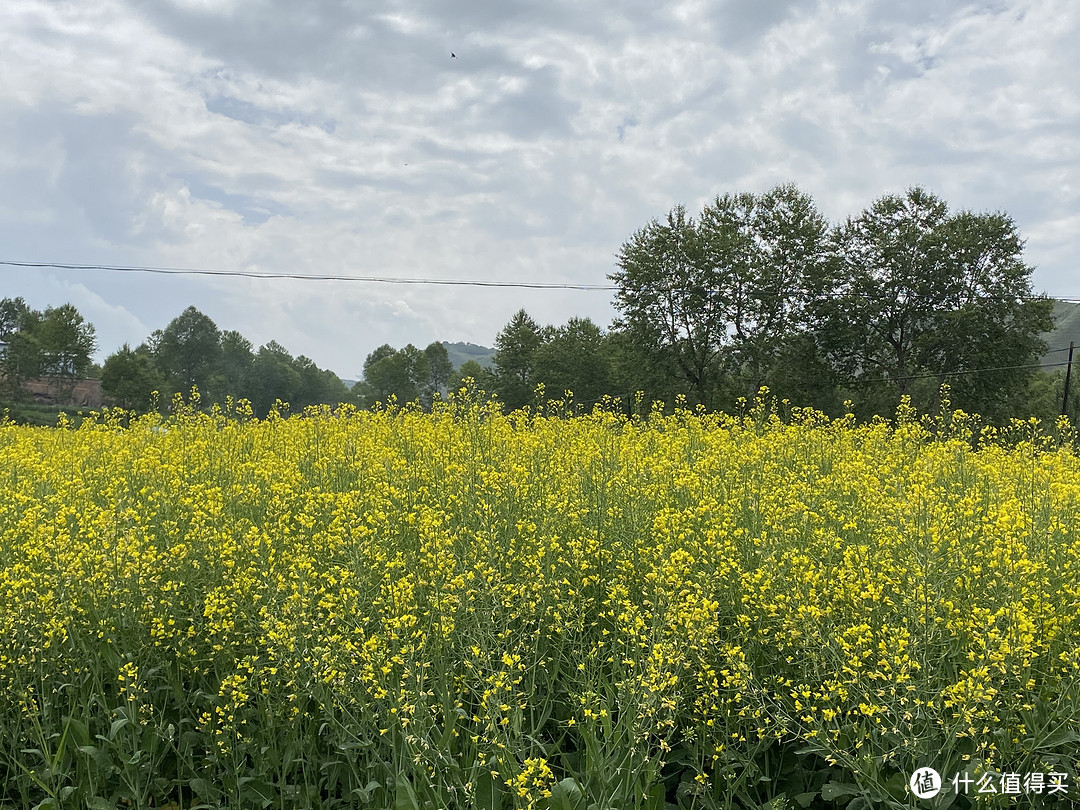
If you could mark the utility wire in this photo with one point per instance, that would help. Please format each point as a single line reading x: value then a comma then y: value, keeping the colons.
x: 176, y: 271
x: 534, y: 285
x: 955, y: 373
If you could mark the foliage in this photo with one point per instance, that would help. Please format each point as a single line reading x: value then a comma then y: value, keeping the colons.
x: 405, y: 375
x: 912, y: 291
x: 188, y: 351
x: 468, y: 609
x: 573, y: 357
x: 482, y: 378
x: 193, y: 352
x: 515, y: 348
x: 57, y: 343
x: 719, y: 294
x: 131, y: 378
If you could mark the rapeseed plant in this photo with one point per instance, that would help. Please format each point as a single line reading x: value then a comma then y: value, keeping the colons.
x: 463, y: 608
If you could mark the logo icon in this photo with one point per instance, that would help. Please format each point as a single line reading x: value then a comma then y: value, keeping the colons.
x: 925, y: 783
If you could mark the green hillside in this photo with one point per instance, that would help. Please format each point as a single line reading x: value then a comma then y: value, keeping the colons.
x: 462, y: 352
x: 1066, y: 328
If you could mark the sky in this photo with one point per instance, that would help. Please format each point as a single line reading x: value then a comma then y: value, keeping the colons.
x: 340, y: 137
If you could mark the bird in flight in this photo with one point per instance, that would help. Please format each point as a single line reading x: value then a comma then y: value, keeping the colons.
x: 453, y: 55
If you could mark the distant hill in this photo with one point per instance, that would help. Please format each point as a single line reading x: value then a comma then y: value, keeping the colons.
x: 462, y: 352
x: 1066, y: 327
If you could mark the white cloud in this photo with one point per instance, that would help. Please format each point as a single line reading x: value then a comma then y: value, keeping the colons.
x: 271, y: 135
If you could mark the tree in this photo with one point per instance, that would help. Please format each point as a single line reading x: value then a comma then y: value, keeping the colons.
x: 670, y: 298
x: 131, y: 378
x: 274, y: 377
x: 638, y: 371
x: 515, y: 346
x: 718, y: 295
x: 917, y: 297
x: 57, y: 343
x: 482, y: 377
x: 237, y: 364
x: 439, y: 369
x: 395, y: 373
x: 15, y: 316
x: 188, y: 352
x: 66, y: 342
x: 574, y: 358
x: 20, y: 357
x: 771, y: 245
x: 317, y: 386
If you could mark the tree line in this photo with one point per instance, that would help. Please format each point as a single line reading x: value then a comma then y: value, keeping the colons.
x: 896, y: 300
x: 760, y: 290
x: 192, y: 352
x: 755, y: 290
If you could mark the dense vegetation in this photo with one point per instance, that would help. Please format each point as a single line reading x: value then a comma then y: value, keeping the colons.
x: 462, y: 609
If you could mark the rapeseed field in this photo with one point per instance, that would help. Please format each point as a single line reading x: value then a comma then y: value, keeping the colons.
x: 459, y: 609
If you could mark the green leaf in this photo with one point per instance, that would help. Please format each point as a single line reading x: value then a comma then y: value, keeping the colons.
x: 256, y: 790
x: 566, y: 795
x: 367, y: 791
x: 897, y: 786
x: 117, y: 724
x: 804, y: 799
x: 1062, y: 737
x: 406, y: 796
x: 79, y: 732
x: 831, y: 791
x: 98, y: 803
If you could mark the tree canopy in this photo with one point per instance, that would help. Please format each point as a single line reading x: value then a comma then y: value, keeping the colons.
x: 915, y: 295
x: 57, y: 343
x: 758, y: 290
x: 718, y: 293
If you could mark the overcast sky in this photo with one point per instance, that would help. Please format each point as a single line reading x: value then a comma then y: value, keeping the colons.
x: 340, y: 137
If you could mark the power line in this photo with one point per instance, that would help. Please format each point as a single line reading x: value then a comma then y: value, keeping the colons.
x: 956, y: 373
x: 192, y: 271
x: 178, y: 271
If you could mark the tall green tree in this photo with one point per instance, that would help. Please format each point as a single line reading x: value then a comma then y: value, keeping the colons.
x: 671, y: 299
x: 771, y: 245
x: 716, y: 296
x: 66, y: 341
x: 20, y: 356
x: 318, y: 386
x: 274, y: 377
x: 515, y: 347
x: 574, y: 358
x: 638, y: 372
x: 398, y: 373
x: 57, y: 343
x: 130, y: 377
x: 188, y: 353
x: 237, y: 364
x: 439, y: 369
x: 914, y: 297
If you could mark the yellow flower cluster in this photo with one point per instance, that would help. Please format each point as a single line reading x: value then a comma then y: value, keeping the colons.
x: 454, y: 595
